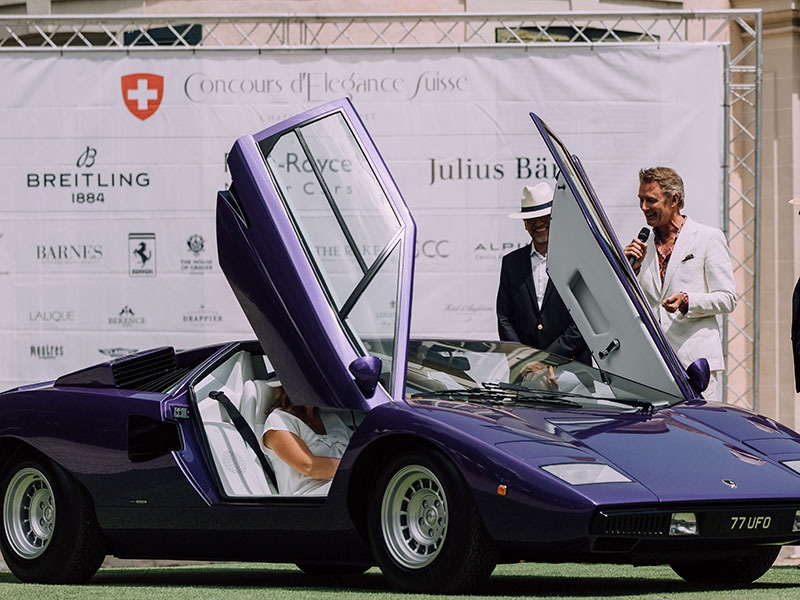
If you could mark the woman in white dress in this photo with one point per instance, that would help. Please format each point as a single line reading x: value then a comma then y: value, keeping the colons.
x: 304, y: 445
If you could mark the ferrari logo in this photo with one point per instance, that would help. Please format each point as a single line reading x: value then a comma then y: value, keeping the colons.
x: 142, y: 93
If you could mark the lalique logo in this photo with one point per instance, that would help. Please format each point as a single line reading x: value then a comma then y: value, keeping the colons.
x: 142, y: 93
x: 142, y: 254
x: 51, y: 316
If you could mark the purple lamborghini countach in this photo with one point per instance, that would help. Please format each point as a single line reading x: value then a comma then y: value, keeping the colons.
x: 456, y: 460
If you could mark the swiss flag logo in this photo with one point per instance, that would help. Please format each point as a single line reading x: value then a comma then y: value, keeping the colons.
x: 142, y: 93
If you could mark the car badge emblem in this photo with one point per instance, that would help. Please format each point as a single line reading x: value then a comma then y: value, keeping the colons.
x: 142, y: 93
x: 730, y: 483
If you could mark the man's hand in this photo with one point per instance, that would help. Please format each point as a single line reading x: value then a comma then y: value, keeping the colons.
x: 636, y: 250
x: 673, y: 303
x: 540, y: 374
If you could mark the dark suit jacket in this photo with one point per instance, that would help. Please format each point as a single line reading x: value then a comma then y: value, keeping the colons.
x: 519, y: 318
x: 796, y: 334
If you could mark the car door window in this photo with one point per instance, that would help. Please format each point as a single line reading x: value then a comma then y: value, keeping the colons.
x: 346, y: 223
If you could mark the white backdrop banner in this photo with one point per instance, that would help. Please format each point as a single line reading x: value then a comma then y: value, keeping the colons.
x: 111, y: 163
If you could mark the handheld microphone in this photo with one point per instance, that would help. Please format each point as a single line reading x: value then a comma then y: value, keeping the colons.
x: 644, y: 233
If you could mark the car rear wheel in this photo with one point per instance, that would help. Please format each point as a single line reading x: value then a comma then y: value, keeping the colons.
x: 50, y: 533
x: 745, y: 569
x: 424, y: 529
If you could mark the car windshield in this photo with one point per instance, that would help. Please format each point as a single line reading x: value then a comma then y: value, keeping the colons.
x: 514, y: 374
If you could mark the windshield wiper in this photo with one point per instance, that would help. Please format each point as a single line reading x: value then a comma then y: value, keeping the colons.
x: 644, y: 406
x: 501, y: 393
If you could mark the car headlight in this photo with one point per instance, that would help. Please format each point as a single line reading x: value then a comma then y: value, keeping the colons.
x: 586, y: 473
x: 683, y: 524
x: 794, y: 465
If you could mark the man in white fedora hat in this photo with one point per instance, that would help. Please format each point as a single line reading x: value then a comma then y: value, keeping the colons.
x: 796, y: 321
x: 529, y: 309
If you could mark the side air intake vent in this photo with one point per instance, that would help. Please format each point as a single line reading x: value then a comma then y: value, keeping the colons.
x: 129, y: 372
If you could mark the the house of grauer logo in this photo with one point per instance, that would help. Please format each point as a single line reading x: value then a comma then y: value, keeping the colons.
x: 142, y: 254
x: 126, y: 318
x: 142, y: 93
x: 196, y: 246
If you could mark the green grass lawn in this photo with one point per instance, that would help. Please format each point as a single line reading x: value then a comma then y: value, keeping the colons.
x: 284, y: 582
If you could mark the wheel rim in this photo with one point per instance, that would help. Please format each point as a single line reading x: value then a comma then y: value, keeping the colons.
x: 29, y: 513
x: 414, y: 517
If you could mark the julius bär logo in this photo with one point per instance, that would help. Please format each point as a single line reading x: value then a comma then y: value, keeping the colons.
x: 142, y: 93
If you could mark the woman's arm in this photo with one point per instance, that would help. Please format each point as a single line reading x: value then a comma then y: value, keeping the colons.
x: 294, y: 452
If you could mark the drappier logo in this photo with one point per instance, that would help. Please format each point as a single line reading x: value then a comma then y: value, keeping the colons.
x: 142, y: 93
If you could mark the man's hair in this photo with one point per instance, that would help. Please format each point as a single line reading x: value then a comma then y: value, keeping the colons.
x: 667, y: 178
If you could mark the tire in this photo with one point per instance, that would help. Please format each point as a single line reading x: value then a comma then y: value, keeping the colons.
x: 50, y: 532
x: 745, y: 569
x: 424, y: 529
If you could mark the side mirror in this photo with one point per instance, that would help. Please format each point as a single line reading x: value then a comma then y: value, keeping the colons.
x: 367, y: 372
x: 699, y: 375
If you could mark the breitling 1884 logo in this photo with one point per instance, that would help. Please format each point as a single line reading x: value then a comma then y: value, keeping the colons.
x: 86, y: 185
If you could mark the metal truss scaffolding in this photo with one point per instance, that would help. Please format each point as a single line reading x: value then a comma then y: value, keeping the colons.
x: 739, y: 30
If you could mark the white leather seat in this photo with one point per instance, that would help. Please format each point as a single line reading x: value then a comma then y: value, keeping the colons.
x: 239, y: 470
x: 257, y: 399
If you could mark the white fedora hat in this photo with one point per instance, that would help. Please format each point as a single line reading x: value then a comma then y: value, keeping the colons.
x: 537, y: 201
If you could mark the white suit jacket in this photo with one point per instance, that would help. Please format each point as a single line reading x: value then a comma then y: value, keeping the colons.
x: 700, y: 265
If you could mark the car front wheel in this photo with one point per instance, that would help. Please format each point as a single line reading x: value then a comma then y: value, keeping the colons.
x: 745, y: 569
x: 50, y: 533
x: 424, y: 529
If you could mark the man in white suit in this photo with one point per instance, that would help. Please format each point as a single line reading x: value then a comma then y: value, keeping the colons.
x: 685, y: 272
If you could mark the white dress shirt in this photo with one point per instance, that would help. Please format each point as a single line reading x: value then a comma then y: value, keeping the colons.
x: 540, y: 277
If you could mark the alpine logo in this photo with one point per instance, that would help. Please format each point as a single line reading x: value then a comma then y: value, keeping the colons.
x: 142, y: 93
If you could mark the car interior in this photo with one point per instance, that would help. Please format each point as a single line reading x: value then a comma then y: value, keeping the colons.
x: 233, y: 424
